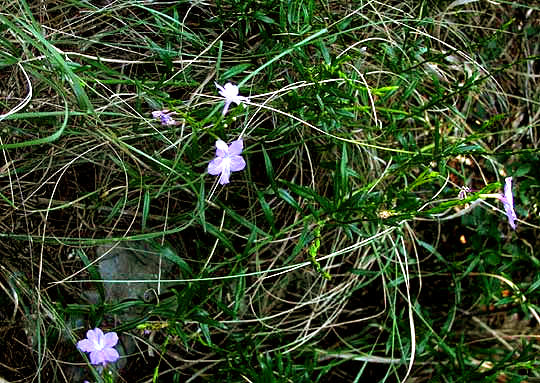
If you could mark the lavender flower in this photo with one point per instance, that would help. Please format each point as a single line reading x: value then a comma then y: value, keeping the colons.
x: 463, y: 192
x: 230, y: 92
x: 228, y: 159
x: 508, y: 202
x: 165, y: 117
x: 100, y: 346
x: 507, y: 198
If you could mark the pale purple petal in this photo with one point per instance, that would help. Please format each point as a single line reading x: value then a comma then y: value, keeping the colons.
x: 237, y: 163
x: 224, y: 178
x: 508, y: 202
x: 222, y: 145
x: 99, y: 346
x: 165, y: 117
x: 85, y: 345
x: 221, y: 148
x: 167, y: 120
x: 508, y: 191
x: 110, y: 355
x: 220, y: 88
x: 94, y: 335
x: 463, y: 192
x: 239, y: 99
x: 235, y: 148
x: 230, y: 93
x: 226, y: 107
x: 97, y: 357
x: 225, y: 170
x: 110, y: 339
x: 511, y: 214
x: 227, y: 160
x: 215, y: 166
x: 230, y: 90
x: 107, y: 355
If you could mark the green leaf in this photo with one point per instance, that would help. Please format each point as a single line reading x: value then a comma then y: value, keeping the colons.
x: 234, y: 71
x: 426, y: 176
x: 93, y: 272
x: 522, y: 170
x: 168, y: 253
x: 201, y: 205
x: 302, y: 243
x: 31, y: 28
x: 269, y: 169
x: 243, y: 221
x: 307, y: 193
x: 432, y: 250
x: 146, y: 208
x: 343, y: 174
x: 44, y: 140
x: 262, y: 17
x: 324, y: 52
x: 288, y: 51
x: 268, y: 214
x: 206, y: 333
x: 219, y: 235
x: 284, y: 194
x: 240, y: 292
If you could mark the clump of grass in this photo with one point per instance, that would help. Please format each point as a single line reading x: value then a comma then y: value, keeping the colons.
x: 341, y: 251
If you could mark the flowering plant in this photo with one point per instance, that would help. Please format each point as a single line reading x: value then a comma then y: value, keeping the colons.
x: 165, y: 116
x: 508, y: 202
x: 100, y: 346
x: 507, y: 198
x: 230, y: 92
x: 228, y: 159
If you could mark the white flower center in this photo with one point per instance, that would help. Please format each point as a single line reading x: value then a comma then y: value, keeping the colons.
x: 230, y: 91
x: 99, y: 344
x: 226, y: 163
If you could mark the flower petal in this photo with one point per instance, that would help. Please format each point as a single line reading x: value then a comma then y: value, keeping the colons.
x: 110, y: 339
x: 225, y: 170
x: 511, y: 214
x: 508, y: 202
x: 215, y: 166
x: 94, y: 335
x: 167, y: 120
x: 99, y: 346
x: 224, y: 178
x: 110, y: 355
x: 239, y: 99
x: 226, y: 107
x: 220, y: 88
x: 237, y: 163
x: 97, y: 357
x: 221, y: 148
x: 236, y: 147
x: 86, y: 345
x: 230, y: 90
x: 508, y: 191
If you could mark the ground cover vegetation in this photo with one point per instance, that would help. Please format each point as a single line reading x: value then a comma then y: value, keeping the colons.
x: 312, y: 182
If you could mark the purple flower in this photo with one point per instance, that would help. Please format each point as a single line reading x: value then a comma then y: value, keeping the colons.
x: 508, y: 202
x: 228, y: 159
x: 463, y: 192
x: 230, y: 92
x: 100, y: 346
x: 165, y: 117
